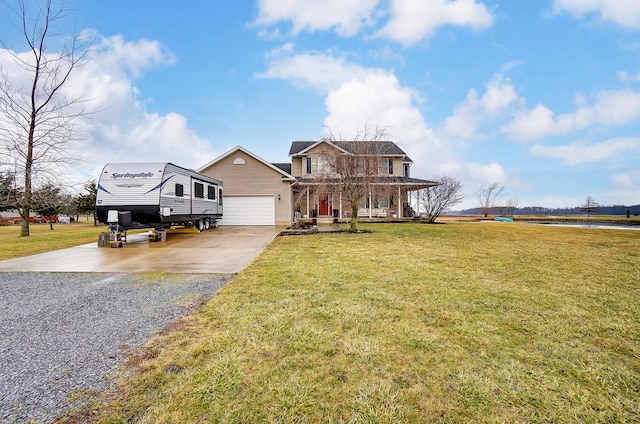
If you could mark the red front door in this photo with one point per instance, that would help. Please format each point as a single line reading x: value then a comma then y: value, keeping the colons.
x: 324, y: 205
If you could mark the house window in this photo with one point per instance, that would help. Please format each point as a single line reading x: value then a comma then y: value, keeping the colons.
x: 239, y: 161
x: 361, y: 166
x: 198, y: 190
x: 211, y: 192
x: 317, y: 165
x: 179, y: 190
x: 383, y: 202
x: 386, y: 167
x: 406, y: 171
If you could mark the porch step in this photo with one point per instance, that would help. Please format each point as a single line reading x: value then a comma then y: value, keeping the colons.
x: 324, y: 220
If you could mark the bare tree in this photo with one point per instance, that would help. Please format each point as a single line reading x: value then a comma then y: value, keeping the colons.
x: 352, y: 169
x: 38, y: 119
x: 590, y: 206
x: 511, y: 206
x: 488, y: 196
x: 437, y: 199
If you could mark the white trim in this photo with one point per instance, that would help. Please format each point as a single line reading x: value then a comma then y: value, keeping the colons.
x: 303, y: 152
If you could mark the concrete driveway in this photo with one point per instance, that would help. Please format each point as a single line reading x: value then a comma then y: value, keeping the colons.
x: 224, y: 250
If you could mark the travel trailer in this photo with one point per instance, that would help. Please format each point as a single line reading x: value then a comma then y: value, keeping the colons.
x: 157, y: 195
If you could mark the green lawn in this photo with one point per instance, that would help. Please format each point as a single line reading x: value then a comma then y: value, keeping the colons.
x: 461, y: 322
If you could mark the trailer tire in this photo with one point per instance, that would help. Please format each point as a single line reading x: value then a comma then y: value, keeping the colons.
x: 207, y: 224
x: 200, y: 225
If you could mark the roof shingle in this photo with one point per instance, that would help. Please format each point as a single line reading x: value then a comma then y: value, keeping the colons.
x: 386, y: 148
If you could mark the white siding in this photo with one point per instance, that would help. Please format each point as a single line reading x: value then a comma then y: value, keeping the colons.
x: 130, y: 184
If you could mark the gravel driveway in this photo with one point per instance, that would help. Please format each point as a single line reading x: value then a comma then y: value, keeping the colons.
x: 64, y: 334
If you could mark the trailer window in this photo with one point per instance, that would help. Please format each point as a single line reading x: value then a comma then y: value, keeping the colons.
x: 220, y: 196
x: 211, y: 192
x: 179, y: 190
x: 198, y: 190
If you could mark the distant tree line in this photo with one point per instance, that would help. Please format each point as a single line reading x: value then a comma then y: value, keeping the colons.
x: 577, y: 210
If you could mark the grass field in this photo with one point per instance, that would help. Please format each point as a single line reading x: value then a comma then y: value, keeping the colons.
x: 461, y: 322
x: 43, y: 239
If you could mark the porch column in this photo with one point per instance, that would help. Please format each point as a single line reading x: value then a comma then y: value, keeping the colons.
x: 340, y: 212
x: 399, y: 203
x: 308, y: 215
x: 370, y: 205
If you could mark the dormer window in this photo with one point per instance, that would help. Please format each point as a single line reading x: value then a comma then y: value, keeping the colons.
x: 406, y: 170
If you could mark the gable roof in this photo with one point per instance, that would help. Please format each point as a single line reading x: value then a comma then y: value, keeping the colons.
x: 385, y: 148
x: 286, y: 176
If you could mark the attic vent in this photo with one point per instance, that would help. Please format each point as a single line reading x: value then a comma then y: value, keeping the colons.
x: 238, y: 161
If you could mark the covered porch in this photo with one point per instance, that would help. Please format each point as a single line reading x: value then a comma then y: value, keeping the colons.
x: 386, y: 201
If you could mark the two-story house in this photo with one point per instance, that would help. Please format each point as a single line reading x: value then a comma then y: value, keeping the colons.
x: 325, y: 170
x: 257, y: 192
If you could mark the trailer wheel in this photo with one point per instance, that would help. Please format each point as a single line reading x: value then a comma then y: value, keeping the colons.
x: 207, y: 224
x: 200, y: 225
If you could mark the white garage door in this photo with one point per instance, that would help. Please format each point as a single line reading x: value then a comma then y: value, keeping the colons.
x: 249, y: 210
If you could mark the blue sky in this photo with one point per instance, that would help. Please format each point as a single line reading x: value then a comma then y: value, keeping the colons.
x: 541, y: 96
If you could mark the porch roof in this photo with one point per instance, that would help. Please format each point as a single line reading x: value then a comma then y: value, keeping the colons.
x: 407, y: 182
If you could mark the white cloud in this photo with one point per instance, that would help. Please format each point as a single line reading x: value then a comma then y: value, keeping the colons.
x: 357, y: 96
x: 119, y: 128
x: 346, y: 17
x: 611, y: 108
x: 581, y: 152
x: 627, y: 77
x: 487, y: 174
x: 381, y: 100
x: 625, y: 13
x: 532, y: 124
x: 499, y: 96
x: 122, y: 129
x: 412, y: 21
x: 625, y: 187
x: 134, y: 56
x: 408, y: 21
x: 626, y: 179
x: 315, y: 70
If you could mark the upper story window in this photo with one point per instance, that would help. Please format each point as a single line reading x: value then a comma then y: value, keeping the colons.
x: 406, y: 170
x: 386, y: 166
x: 318, y: 165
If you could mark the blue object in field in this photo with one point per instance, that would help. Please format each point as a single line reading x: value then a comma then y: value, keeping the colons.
x: 501, y: 219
